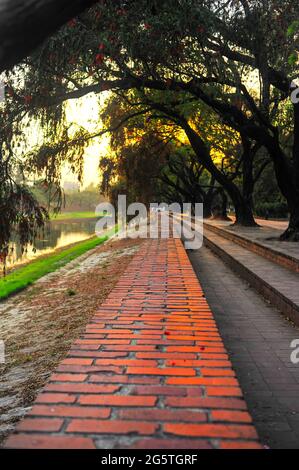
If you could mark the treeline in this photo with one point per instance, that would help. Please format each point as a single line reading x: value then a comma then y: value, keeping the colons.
x: 211, y: 82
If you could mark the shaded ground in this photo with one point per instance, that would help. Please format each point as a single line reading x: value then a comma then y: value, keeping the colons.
x: 39, y: 324
x: 278, y: 224
x: 258, y: 340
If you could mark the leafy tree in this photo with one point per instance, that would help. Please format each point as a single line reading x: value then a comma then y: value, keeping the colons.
x: 183, y: 177
x: 133, y: 169
x: 24, y: 25
x: 233, y: 56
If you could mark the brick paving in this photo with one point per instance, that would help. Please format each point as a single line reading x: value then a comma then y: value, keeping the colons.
x: 258, y: 340
x: 150, y: 371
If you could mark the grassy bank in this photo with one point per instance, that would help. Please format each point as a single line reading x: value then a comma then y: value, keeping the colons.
x: 23, y: 277
x: 75, y: 215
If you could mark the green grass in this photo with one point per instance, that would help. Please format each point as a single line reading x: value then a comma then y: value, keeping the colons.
x: 75, y: 215
x: 27, y: 275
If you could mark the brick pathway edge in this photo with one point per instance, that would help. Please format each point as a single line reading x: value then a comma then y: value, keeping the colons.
x: 150, y: 371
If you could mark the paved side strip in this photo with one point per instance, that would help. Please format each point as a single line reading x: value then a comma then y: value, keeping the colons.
x: 277, y: 284
x: 262, y: 358
x: 261, y: 241
x: 150, y: 371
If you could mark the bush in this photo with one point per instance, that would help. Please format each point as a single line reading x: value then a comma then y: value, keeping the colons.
x: 276, y: 210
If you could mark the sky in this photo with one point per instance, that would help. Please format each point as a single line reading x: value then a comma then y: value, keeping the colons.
x: 85, y: 112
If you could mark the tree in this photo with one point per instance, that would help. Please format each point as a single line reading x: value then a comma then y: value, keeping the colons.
x: 25, y: 25
x: 209, y: 56
x: 153, y: 166
x: 134, y: 167
x: 133, y: 111
x: 187, y: 180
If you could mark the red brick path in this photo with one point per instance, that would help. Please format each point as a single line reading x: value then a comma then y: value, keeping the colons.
x: 150, y: 371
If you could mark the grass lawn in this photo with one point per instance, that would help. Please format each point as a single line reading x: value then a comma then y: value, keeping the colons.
x: 75, y: 215
x: 28, y: 274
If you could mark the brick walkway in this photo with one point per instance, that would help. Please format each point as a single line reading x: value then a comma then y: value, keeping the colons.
x: 151, y: 370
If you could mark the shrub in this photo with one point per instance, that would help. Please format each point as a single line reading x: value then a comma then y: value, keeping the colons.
x: 277, y: 209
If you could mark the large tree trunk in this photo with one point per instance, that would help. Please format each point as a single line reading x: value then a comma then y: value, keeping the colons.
x: 209, y: 197
x: 220, y: 209
x: 244, y: 215
x: 288, y: 180
x: 207, y: 207
x: 24, y: 25
x: 292, y: 232
x: 247, y: 173
x: 224, y: 206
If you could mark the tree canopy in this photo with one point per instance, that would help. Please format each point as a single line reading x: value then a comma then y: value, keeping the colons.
x: 222, y: 72
x: 25, y: 25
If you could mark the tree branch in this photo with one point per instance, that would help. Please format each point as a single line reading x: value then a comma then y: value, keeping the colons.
x: 24, y: 25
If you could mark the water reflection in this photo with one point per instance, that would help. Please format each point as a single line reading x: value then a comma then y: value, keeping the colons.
x: 55, y: 235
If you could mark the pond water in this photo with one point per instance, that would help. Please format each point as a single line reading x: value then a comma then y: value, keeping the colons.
x: 55, y: 235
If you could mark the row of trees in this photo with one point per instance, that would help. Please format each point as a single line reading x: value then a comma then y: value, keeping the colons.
x: 209, y: 80
x: 151, y: 161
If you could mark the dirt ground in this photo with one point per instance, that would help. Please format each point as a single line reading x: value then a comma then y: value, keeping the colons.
x: 39, y: 324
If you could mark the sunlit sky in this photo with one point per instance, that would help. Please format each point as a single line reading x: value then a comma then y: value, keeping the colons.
x: 86, y: 113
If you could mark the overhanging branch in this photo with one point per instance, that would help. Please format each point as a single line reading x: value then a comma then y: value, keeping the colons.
x: 24, y: 25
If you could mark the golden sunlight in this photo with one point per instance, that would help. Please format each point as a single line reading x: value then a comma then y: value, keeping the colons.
x: 85, y: 112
